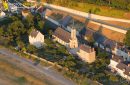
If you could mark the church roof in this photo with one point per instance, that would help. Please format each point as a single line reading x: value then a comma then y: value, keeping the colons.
x: 62, y: 34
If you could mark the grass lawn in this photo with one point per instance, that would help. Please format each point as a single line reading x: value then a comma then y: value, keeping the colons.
x: 104, y: 10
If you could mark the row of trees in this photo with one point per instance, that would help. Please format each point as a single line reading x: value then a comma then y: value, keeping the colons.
x: 122, y: 4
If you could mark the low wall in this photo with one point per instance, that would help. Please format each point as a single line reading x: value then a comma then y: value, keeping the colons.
x: 43, y: 60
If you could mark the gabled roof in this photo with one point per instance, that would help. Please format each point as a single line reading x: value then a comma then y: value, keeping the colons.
x: 109, y: 43
x: 66, y: 20
x: 86, y: 48
x: 117, y: 58
x: 89, y: 32
x: 127, y: 71
x: 62, y: 34
x: 121, y: 66
x: 34, y: 33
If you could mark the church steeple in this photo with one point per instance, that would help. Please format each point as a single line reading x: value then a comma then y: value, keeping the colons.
x: 73, y: 40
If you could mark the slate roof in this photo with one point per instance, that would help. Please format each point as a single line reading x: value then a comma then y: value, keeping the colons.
x: 34, y: 33
x: 99, y: 38
x: 86, y: 48
x: 127, y: 70
x: 89, y: 32
x: 117, y: 58
x: 124, y: 67
x: 121, y: 66
x: 66, y: 20
x: 62, y: 34
x: 109, y: 43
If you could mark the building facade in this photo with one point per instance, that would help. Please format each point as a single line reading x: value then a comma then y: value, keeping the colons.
x: 118, y: 66
x: 122, y: 51
x: 73, y: 41
x: 36, y: 38
x: 87, y: 53
x: 61, y: 36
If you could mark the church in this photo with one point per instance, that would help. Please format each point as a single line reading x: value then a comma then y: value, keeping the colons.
x: 65, y: 38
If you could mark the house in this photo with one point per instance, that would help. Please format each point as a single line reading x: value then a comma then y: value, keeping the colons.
x: 109, y: 45
x: 36, y: 38
x: 121, y: 50
x: 62, y: 36
x: 123, y: 70
x: 87, y: 53
x: 118, y: 65
x: 114, y: 61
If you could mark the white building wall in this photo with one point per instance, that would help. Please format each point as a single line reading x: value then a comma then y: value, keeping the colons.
x: 87, y: 57
x: 121, y: 53
x: 60, y: 41
x: 113, y: 64
x: 37, y: 41
x: 120, y: 72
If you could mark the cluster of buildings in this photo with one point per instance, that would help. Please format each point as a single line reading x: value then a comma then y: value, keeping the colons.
x: 87, y: 30
x: 86, y: 53
x: 120, y: 67
x: 70, y: 27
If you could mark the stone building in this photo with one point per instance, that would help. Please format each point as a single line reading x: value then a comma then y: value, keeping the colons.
x: 87, y: 53
x: 73, y: 40
x: 61, y: 36
x: 65, y: 38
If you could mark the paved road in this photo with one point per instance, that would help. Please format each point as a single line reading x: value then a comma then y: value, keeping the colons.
x: 50, y: 73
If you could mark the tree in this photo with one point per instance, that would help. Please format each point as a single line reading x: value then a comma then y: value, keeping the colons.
x: 113, y: 78
x: 29, y: 21
x: 40, y: 25
x: 128, y: 6
x: 31, y: 49
x: 127, y: 38
x: 1, y: 31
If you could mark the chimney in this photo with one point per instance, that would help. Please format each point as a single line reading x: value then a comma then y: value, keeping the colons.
x: 93, y: 49
x: 119, y: 61
x: 129, y: 65
x: 112, y: 56
x: 123, y: 70
x: 128, y: 53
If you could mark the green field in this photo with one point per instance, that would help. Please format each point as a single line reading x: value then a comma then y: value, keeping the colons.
x: 100, y: 10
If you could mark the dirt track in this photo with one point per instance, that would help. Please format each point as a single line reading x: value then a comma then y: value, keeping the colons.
x: 15, y: 70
